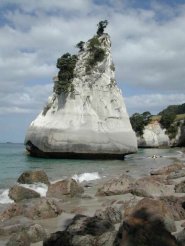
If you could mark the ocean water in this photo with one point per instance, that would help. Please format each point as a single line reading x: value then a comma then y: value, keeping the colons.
x: 14, y: 160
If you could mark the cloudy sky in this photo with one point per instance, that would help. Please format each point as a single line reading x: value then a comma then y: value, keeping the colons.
x: 148, y: 48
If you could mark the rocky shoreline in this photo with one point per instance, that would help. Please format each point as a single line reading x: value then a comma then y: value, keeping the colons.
x: 106, y: 213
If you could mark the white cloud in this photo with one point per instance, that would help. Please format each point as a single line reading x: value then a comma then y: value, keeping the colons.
x: 154, y: 102
x: 148, y: 49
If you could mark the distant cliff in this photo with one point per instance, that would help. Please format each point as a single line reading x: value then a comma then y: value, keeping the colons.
x: 167, y: 129
x: 85, y: 117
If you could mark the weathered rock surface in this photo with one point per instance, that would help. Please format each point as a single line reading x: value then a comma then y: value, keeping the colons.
x: 156, y: 208
x: 93, y: 123
x: 169, y: 169
x: 143, y: 228
x: 116, y: 186
x: 68, y: 187
x: 33, y: 234
x: 180, y: 188
x: 155, y: 136
x: 38, y: 208
x: 14, y: 225
x: 181, y: 237
x: 36, y: 176
x: 148, y: 187
x: 177, y: 174
x: 18, y: 193
x: 84, y: 231
x: 112, y: 214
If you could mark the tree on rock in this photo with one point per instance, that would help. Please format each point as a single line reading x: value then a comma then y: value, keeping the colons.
x: 80, y: 45
x: 101, y: 26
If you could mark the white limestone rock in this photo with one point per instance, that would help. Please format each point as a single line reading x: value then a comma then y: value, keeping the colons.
x: 153, y: 136
x: 91, y: 122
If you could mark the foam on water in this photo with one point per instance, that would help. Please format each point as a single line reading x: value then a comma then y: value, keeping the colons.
x: 38, y: 187
x: 4, y: 198
x: 86, y: 177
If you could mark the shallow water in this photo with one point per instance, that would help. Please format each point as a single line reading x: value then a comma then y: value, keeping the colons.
x: 14, y: 160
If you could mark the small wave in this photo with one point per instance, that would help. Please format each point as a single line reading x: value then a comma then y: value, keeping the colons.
x: 4, y: 198
x: 38, y: 187
x: 86, y: 177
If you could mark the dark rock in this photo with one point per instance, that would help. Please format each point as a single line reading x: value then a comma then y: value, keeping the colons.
x: 180, y: 187
x: 36, y: 176
x: 37, y: 208
x: 155, y: 207
x: 68, y: 187
x: 169, y: 169
x: 144, y: 229
x: 180, y: 236
x: 116, y: 186
x: 112, y: 214
x: 18, y: 193
x: 84, y: 231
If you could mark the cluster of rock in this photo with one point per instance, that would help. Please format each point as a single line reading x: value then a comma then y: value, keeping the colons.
x: 145, y: 211
x: 92, y: 122
x: 155, y: 136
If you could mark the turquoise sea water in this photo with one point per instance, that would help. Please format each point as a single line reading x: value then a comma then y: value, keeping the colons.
x: 14, y: 160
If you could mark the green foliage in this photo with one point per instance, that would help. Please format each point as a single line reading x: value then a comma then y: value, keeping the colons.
x: 139, y: 121
x: 80, y: 45
x: 101, y: 26
x: 174, y: 109
x: 66, y: 64
x: 167, y: 119
x: 97, y: 54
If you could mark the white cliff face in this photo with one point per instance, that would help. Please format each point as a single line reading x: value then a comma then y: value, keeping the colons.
x: 153, y: 136
x: 92, y: 120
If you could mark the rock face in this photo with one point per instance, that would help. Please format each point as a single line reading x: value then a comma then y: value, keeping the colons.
x: 155, y: 136
x: 31, y: 177
x: 90, y: 122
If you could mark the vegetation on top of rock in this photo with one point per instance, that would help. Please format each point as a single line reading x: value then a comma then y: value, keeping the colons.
x: 97, y: 53
x: 167, y: 121
x: 175, y: 109
x: 139, y: 121
x: 101, y: 26
x: 80, y: 45
x: 66, y: 64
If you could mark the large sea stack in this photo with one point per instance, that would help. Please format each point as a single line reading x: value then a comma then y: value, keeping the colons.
x: 85, y: 117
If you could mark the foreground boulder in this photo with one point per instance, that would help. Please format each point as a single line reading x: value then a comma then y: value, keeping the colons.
x: 149, y: 187
x: 144, y: 229
x: 25, y: 237
x: 155, y: 207
x: 180, y: 187
x: 68, y: 187
x: 85, y: 117
x: 84, y: 231
x: 38, y: 208
x: 31, y: 177
x: 112, y: 214
x: 168, y: 170
x: 18, y: 193
x: 116, y: 186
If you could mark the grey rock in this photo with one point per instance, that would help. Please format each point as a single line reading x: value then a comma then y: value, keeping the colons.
x: 116, y: 186
x: 112, y: 214
x: 36, y: 176
x: 180, y: 187
x: 18, y: 193
x: 68, y: 187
